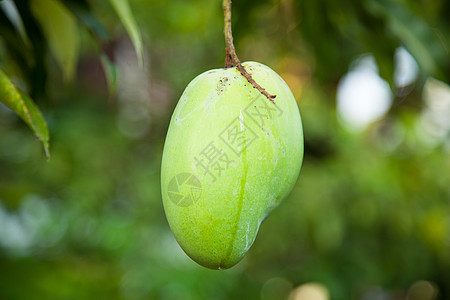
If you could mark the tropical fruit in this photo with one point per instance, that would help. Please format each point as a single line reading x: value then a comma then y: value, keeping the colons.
x: 230, y: 157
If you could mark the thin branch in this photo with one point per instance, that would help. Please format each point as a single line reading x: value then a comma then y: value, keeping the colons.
x: 231, y: 58
x: 229, y: 47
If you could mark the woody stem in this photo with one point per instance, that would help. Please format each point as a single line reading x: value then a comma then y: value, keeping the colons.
x: 231, y: 58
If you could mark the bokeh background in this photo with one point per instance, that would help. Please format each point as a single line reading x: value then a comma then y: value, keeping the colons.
x: 369, y: 217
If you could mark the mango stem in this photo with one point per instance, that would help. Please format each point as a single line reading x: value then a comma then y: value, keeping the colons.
x: 231, y: 58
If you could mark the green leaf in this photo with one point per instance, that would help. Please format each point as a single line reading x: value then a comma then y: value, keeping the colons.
x: 82, y: 11
x: 111, y: 74
x: 19, y: 102
x: 414, y: 32
x: 60, y: 29
x: 10, y: 10
x: 123, y: 10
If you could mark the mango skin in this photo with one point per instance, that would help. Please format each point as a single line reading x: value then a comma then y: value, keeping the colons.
x: 230, y: 157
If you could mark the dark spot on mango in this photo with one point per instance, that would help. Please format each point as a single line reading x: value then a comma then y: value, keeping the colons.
x: 220, y: 88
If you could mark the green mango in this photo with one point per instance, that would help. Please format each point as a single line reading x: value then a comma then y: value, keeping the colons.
x: 230, y: 157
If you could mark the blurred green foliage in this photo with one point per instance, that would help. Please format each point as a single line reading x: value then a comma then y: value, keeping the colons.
x: 368, y: 219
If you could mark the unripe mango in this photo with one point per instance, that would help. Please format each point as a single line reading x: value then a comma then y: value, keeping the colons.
x: 230, y: 157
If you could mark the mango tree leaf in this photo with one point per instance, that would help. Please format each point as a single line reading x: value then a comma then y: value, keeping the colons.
x: 123, y: 10
x: 111, y: 74
x: 82, y: 11
x: 10, y: 9
x: 20, y: 103
x: 60, y: 29
x: 414, y: 32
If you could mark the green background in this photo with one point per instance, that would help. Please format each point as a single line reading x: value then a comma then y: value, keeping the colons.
x: 369, y: 217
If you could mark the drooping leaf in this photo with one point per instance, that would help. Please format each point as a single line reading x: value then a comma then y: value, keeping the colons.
x: 414, y: 32
x: 111, y: 74
x: 82, y: 11
x: 10, y: 9
x: 20, y: 103
x: 60, y: 29
x: 123, y: 10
